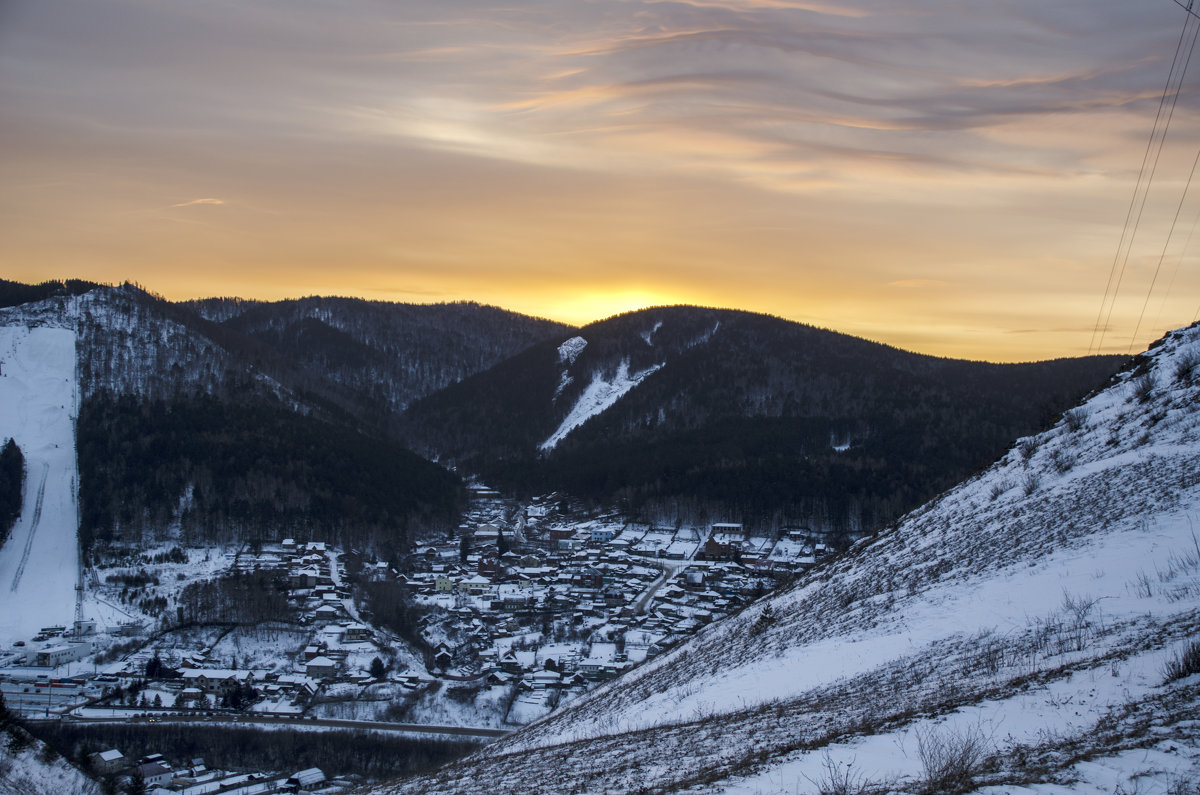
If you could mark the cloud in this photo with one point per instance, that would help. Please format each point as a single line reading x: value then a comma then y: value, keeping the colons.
x: 195, y: 202
x: 457, y: 148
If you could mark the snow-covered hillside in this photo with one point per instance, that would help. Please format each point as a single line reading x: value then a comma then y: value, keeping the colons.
x: 600, y: 395
x: 39, y: 563
x: 1012, y: 635
x: 28, y: 767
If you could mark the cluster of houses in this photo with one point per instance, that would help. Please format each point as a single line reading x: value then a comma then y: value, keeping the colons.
x: 193, y: 778
x: 638, y: 589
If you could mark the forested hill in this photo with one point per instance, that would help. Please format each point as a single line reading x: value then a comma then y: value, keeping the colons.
x: 191, y: 426
x: 390, y: 353
x: 731, y: 414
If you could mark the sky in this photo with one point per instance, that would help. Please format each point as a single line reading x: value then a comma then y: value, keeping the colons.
x: 948, y: 177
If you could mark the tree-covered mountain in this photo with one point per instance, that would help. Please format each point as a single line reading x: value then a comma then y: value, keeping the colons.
x: 249, y: 428
x: 389, y: 353
x: 710, y: 413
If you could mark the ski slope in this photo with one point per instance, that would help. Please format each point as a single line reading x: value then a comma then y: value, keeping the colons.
x: 39, y: 562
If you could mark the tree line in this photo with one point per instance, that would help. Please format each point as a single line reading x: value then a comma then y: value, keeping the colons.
x: 12, y: 484
x: 230, y: 471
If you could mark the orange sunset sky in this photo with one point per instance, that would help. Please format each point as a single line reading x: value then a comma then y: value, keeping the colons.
x: 947, y: 177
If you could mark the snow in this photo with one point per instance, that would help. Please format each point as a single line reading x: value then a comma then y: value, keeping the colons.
x: 648, y: 336
x: 569, y: 351
x: 1032, y: 608
x: 39, y: 564
x: 599, y: 396
x: 27, y: 772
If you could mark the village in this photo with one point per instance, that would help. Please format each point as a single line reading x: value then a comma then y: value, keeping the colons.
x: 524, y: 607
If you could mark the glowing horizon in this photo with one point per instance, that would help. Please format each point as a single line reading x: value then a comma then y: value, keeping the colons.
x: 943, y: 179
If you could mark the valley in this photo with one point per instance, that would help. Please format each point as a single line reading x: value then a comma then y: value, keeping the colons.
x: 261, y: 556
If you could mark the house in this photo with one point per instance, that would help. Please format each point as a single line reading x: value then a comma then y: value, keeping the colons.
x: 305, y: 780
x: 509, y: 663
x: 155, y: 774
x: 443, y: 584
x: 443, y: 658
x: 486, y: 534
x: 475, y: 586
x: 299, y: 683
x: 545, y: 679
x: 216, y: 680
x: 325, y: 612
x: 109, y: 761
x: 191, y: 697
x: 321, y: 668
x: 357, y: 632
x: 722, y: 547
x: 601, y: 535
x: 306, y: 577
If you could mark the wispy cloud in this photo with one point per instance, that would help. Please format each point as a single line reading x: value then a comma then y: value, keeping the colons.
x: 198, y: 202
x: 476, y: 149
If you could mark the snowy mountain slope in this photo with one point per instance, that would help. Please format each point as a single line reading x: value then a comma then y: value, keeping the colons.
x: 29, y: 767
x: 1025, y: 616
x: 601, y: 394
x: 39, y: 563
x: 188, y: 428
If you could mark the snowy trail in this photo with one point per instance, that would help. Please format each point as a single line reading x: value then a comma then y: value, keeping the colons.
x: 33, y: 526
x: 39, y: 563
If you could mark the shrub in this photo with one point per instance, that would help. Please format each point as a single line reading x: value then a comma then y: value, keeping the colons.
x: 1030, y: 484
x: 950, y: 759
x: 1185, y: 663
x: 1062, y: 461
x: 1143, y: 388
x: 837, y: 779
x: 1076, y: 419
x: 1185, y: 370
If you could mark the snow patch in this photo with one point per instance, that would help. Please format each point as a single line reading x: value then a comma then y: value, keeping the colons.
x: 569, y: 351
x: 648, y: 336
x: 596, y: 398
x: 564, y: 381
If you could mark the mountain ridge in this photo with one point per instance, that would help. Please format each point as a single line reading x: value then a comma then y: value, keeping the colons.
x: 692, y: 400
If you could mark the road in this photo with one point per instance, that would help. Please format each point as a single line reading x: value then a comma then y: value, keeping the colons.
x: 297, y: 722
x: 668, y: 572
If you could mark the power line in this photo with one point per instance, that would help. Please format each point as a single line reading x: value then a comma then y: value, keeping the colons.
x: 1151, y: 156
x: 1130, y: 224
x: 1163, y: 256
x: 1188, y: 7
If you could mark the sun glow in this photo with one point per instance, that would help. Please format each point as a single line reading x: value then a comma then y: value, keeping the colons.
x: 585, y: 306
